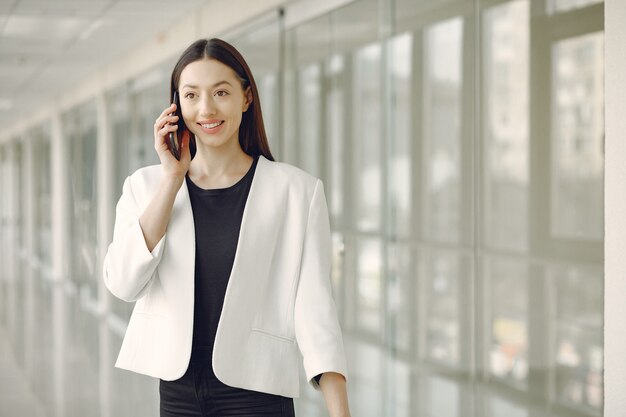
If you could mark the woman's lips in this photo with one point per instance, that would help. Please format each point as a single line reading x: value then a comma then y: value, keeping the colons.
x: 212, y: 130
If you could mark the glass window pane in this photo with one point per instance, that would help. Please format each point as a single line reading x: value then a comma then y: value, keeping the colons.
x: 506, y: 98
x: 400, y: 175
x: 20, y: 195
x: 6, y: 225
x: 369, y: 284
x: 290, y: 98
x: 508, y: 321
x: 501, y: 407
x: 401, y: 288
x: 578, y: 341
x: 260, y: 47
x: 149, y: 96
x: 119, y: 107
x: 442, y: 119
x: 555, y: 6
x: 442, y: 278
x: 310, y: 117
x: 337, y: 103
x: 577, y: 176
x: 80, y: 127
x: 267, y: 85
x: 366, y: 126
x: 306, y: 51
x: 42, y: 179
x: 337, y: 271
x: 443, y: 397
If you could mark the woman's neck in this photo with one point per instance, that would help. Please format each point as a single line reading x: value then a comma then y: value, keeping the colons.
x: 218, y: 163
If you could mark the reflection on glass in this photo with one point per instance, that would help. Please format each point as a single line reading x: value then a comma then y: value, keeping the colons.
x: 149, y: 95
x: 369, y: 284
x: 267, y: 85
x: 500, y: 407
x: 400, y: 292
x: 336, y: 131
x: 400, y: 177
x: 80, y: 122
x: 310, y: 117
x: 304, y: 124
x: 506, y: 88
x: 260, y: 47
x: 442, y: 119
x: 508, y: 305
x: 124, y: 163
x: 366, y: 126
x: 577, y: 175
x: 290, y: 115
x: 41, y: 339
x: 442, y: 311
x: 566, y: 5
x: 19, y: 195
x: 443, y: 397
x: 338, y: 250
x: 398, y: 401
x: 578, y: 339
x: 42, y: 194
x: 5, y: 218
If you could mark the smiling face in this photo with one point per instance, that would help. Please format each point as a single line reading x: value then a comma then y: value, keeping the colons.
x: 212, y: 102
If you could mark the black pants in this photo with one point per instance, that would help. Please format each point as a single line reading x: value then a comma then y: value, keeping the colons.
x: 199, y: 393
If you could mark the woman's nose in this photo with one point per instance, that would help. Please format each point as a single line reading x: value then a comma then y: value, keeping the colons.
x: 207, y: 106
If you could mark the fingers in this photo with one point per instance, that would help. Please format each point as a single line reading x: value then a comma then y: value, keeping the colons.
x: 167, y: 129
x: 171, y: 109
x: 166, y: 116
x: 162, y: 126
x: 158, y: 124
x: 165, y: 125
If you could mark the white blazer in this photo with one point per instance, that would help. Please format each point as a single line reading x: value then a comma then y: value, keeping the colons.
x: 278, y: 301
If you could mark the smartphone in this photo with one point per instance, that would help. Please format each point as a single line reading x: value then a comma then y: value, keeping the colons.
x: 173, y: 144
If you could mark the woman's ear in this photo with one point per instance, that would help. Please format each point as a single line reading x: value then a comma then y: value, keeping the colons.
x: 248, y: 94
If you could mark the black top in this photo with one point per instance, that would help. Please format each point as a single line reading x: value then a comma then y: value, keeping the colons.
x: 217, y: 215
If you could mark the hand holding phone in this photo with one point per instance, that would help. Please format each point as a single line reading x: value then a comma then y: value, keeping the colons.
x: 173, y: 143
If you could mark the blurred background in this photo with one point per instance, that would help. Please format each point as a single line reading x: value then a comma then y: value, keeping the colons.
x: 461, y: 144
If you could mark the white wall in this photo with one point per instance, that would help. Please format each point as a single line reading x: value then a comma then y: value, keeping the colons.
x: 615, y: 210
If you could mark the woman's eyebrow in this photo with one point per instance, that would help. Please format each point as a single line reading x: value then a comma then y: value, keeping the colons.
x: 213, y: 86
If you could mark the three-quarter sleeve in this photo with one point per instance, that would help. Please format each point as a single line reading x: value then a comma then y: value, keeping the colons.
x: 317, y: 329
x: 128, y: 265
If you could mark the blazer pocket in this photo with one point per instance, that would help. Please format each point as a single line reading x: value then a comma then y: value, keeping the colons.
x: 273, y: 335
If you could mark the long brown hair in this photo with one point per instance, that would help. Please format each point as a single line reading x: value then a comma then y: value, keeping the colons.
x: 252, y: 137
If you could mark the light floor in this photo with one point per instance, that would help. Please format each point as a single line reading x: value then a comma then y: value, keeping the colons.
x: 16, y: 395
x: 57, y: 356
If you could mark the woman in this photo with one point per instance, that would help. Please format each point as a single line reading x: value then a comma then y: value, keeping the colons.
x: 227, y: 255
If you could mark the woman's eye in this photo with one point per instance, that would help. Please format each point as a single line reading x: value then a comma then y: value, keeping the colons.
x: 222, y: 91
x: 188, y: 95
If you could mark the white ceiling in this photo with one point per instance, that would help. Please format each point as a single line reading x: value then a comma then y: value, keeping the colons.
x: 47, y: 46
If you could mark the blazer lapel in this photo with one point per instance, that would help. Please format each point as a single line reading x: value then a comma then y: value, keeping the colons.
x: 179, y: 258
x: 257, y: 226
x: 253, y: 258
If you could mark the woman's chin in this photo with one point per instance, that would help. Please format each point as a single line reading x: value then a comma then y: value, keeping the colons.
x: 211, y: 142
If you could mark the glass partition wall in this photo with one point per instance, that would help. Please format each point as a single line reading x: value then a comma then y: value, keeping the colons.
x: 460, y: 144
x: 461, y: 148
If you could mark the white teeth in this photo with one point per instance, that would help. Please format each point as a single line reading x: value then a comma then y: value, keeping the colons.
x: 212, y: 125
